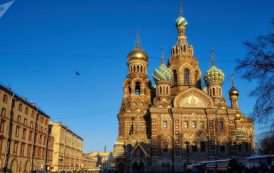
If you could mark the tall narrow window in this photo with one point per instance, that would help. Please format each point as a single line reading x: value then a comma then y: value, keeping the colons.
x: 186, y: 76
x: 3, y: 112
x: 175, y: 77
x: 185, y: 124
x: 194, y: 147
x: 2, y: 126
x: 137, y: 88
x: 17, y: 131
x: 193, y: 124
x: 5, y: 98
x: 202, y: 125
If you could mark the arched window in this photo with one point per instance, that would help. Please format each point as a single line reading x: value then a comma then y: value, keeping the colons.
x: 184, y: 48
x: 141, y: 68
x: 221, y: 125
x: 137, y: 88
x: 175, y: 77
x: 186, y: 76
x: 129, y: 89
x: 134, y: 68
x: 137, y: 68
x: 213, y: 91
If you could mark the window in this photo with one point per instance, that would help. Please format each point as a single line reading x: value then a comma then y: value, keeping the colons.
x: 15, y: 147
x: 19, y: 119
x: 202, y: 145
x: 1, y: 145
x: 24, y: 134
x: 20, y: 107
x: 42, y: 119
x: 40, y: 139
x: 3, y: 112
x: 25, y: 121
x: 185, y: 124
x: 44, y: 141
x: 193, y: 124
x: 32, y: 114
x: 30, y: 136
x: 202, y: 125
x: 186, y: 76
x: 2, y: 126
x: 27, y: 111
x: 5, y: 98
x: 194, y: 147
x: 137, y: 88
x: 165, y: 124
x: 29, y: 149
x: 31, y: 124
x: 221, y: 125
x: 22, y: 149
x: 175, y: 77
x: 17, y: 131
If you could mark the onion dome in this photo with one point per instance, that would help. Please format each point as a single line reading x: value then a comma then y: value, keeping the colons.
x: 233, y: 91
x: 162, y: 73
x: 204, y: 88
x: 137, y: 54
x: 181, y: 21
x: 214, y: 75
x: 238, y: 116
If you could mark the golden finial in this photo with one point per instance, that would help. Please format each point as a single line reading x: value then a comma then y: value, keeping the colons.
x: 163, y: 56
x: 181, y: 8
x: 212, y: 57
x: 138, y: 43
x: 232, y: 79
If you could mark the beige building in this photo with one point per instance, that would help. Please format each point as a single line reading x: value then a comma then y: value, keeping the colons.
x: 89, y: 163
x: 67, y: 148
x: 104, y: 160
x: 25, y: 144
x: 178, y: 122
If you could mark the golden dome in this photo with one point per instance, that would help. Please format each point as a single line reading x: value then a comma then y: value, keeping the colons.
x: 137, y: 54
x: 238, y: 116
x: 233, y: 92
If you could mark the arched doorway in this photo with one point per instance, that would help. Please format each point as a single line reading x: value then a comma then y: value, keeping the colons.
x: 14, y: 166
x: 27, y: 166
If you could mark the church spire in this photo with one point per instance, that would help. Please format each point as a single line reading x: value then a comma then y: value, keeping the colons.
x: 163, y: 57
x: 212, y: 57
x: 181, y: 8
x: 232, y: 80
x: 138, y: 43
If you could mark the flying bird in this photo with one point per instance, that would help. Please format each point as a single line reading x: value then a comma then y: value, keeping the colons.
x: 77, y: 73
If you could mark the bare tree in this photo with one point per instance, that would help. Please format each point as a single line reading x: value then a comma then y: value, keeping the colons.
x: 266, y: 144
x: 258, y: 65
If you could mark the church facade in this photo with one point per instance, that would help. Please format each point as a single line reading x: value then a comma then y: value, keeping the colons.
x: 163, y: 128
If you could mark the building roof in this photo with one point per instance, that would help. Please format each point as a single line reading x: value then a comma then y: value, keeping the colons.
x: 23, y: 100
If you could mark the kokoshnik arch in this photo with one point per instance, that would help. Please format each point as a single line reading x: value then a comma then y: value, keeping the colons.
x: 163, y: 128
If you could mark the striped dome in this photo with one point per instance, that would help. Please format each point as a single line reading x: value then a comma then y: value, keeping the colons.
x: 214, y: 75
x: 181, y: 21
x: 162, y: 73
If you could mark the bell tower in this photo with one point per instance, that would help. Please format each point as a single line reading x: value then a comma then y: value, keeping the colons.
x: 133, y: 116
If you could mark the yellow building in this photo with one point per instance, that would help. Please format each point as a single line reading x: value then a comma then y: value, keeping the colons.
x: 178, y: 122
x: 25, y: 144
x: 67, y: 149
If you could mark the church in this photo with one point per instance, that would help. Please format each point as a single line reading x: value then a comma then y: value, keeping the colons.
x: 176, y: 122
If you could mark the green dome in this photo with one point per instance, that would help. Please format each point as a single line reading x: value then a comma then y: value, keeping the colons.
x: 214, y: 75
x: 181, y: 21
x: 163, y: 73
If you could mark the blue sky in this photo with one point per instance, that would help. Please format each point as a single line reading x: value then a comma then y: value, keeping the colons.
x: 42, y: 44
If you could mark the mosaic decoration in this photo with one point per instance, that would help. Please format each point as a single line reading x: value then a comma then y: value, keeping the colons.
x: 162, y: 73
x: 214, y: 75
x: 181, y: 21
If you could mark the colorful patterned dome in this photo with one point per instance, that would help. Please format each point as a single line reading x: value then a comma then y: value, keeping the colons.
x: 214, y: 75
x: 162, y: 73
x: 181, y: 21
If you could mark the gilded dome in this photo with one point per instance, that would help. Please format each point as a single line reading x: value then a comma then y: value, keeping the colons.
x: 137, y: 54
x: 214, y: 75
x: 162, y: 73
x: 233, y: 91
x: 181, y: 21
